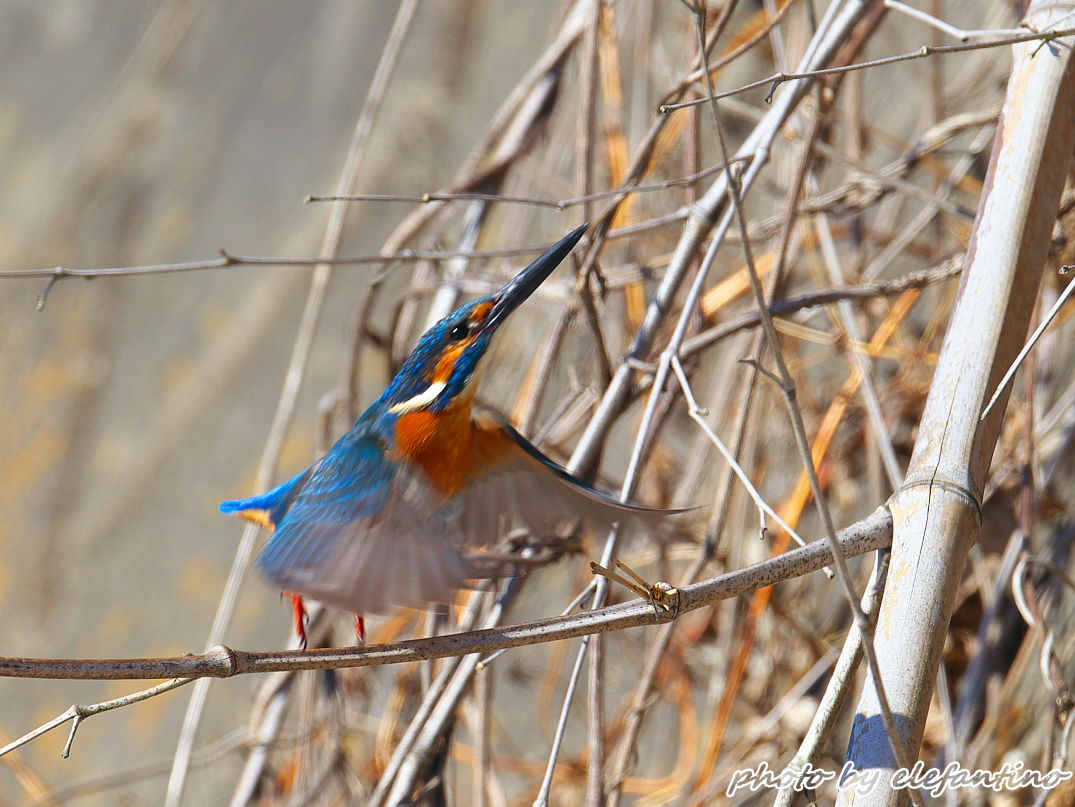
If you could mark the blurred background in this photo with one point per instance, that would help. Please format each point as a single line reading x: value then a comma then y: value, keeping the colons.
x: 152, y: 132
x: 138, y: 132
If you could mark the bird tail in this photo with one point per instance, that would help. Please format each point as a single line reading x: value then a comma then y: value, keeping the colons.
x: 266, y: 509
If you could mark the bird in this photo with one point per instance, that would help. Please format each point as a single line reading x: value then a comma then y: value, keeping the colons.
x: 397, y: 511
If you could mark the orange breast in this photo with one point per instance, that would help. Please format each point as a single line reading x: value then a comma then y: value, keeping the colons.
x: 449, y: 446
x: 439, y: 442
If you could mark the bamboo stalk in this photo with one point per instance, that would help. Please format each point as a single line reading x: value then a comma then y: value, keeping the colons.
x: 937, y: 511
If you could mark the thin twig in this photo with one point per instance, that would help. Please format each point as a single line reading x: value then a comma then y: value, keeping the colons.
x: 1033, y: 340
x: 542, y: 797
x: 229, y: 259
x: 950, y: 30
x: 555, y: 204
x: 776, y: 79
x: 698, y: 414
x: 78, y: 713
x: 846, y: 319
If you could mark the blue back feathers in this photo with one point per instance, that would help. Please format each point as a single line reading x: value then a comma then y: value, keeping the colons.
x: 349, y: 484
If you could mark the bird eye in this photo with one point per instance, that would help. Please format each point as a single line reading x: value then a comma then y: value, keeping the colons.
x: 461, y: 331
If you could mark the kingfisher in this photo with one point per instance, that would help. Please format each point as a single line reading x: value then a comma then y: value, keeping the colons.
x: 397, y: 512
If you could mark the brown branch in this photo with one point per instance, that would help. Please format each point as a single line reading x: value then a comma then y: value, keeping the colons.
x: 866, y: 535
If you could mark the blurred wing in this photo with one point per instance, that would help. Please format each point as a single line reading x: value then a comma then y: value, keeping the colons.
x: 367, y: 535
x: 512, y: 480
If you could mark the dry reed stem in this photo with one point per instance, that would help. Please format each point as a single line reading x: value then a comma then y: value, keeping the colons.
x: 938, y: 509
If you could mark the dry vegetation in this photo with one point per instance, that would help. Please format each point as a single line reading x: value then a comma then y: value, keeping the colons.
x: 858, y: 192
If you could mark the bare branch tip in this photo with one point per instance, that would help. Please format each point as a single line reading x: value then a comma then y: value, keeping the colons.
x: 44, y: 294
x: 58, y: 274
x: 66, y: 752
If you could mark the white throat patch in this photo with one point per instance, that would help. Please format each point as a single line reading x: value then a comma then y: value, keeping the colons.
x: 419, y: 401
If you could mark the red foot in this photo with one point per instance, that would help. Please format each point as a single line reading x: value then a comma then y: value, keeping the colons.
x: 299, y: 611
x: 360, y: 629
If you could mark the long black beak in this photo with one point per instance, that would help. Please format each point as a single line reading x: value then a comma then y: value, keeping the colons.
x: 526, y: 282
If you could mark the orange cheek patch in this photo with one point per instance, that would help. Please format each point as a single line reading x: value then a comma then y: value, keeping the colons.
x: 446, y: 363
x: 443, y: 371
